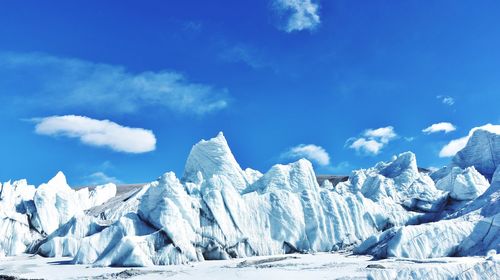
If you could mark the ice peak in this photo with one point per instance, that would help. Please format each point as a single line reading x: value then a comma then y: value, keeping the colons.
x: 481, y: 151
x: 58, y: 180
x: 220, y: 135
x: 404, y: 162
x: 214, y: 157
x: 296, y: 177
x: 219, y: 139
x: 168, y: 177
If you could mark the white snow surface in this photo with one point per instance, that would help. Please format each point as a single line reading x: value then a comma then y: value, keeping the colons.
x: 218, y: 211
x: 292, y: 266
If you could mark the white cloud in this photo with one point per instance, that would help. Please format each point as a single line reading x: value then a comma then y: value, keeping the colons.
x: 367, y: 146
x: 74, y: 83
x: 243, y: 54
x: 311, y: 152
x: 454, y: 146
x: 384, y: 134
x: 447, y: 100
x: 99, y: 178
x: 373, y: 140
x: 298, y: 14
x: 100, y: 133
x: 442, y: 126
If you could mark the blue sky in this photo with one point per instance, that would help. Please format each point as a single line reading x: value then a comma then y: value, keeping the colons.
x: 343, y: 83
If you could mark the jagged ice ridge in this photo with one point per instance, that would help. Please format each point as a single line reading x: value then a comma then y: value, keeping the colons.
x: 217, y: 210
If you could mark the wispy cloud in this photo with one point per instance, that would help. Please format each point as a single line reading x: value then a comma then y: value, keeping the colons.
x: 372, y: 140
x: 297, y: 15
x: 192, y: 26
x: 447, y: 100
x: 314, y: 153
x: 437, y: 127
x: 99, y: 178
x: 243, y: 54
x: 100, y: 133
x: 454, y: 146
x: 57, y: 82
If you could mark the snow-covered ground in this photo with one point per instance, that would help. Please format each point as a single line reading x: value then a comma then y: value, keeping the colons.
x: 291, y: 266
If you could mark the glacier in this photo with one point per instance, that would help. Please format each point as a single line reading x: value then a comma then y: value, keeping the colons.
x: 217, y: 211
x: 29, y: 214
x: 463, y: 229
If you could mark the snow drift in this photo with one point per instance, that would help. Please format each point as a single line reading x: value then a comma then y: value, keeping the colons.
x: 217, y: 210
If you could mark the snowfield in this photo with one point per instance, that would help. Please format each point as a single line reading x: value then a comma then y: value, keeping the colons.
x: 291, y: 266
x: 416, y: 224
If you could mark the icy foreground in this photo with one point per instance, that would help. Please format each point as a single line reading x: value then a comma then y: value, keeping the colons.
x: 218, y: 211
x: 291, y: 266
